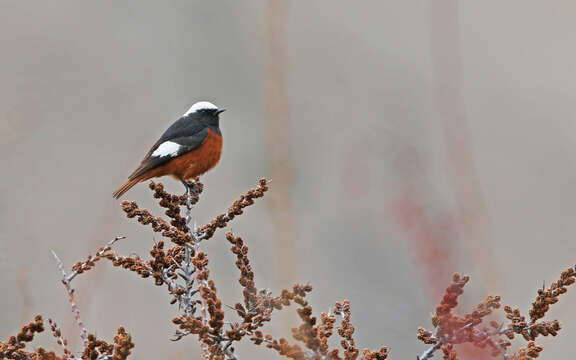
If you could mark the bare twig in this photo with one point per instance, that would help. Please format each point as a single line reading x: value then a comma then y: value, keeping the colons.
x: 428, y: 353
x: 67, y: 279
x: 71, y: 300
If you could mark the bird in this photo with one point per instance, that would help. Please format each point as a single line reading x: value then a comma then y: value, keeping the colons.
x: 190, y: 147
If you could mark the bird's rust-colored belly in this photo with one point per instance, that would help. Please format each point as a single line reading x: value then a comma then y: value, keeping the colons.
x: 195, y: 162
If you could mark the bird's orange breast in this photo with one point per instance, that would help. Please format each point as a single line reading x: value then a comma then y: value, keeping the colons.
x: 195, y: 162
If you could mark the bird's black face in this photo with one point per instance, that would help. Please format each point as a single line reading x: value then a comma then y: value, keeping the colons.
x: 211, y: 117
x: 205, y: 113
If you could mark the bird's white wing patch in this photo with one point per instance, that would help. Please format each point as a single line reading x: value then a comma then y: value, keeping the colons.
x: 201, y: 105
x: 167, y: 148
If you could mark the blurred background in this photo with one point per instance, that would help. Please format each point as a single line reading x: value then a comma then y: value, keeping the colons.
x: 405, y: 140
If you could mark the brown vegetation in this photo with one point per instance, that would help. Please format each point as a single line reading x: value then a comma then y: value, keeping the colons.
x: 178, y: 265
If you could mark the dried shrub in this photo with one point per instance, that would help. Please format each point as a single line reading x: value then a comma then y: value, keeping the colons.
x: 15, y: 347
x: 475, y: 328
x: 179, y: 265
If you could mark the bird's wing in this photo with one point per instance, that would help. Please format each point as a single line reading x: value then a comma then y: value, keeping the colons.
x: 186, y: 126
x: 183, y: 136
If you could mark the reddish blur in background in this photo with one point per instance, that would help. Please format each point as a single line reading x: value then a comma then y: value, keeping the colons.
x: 406, y: 140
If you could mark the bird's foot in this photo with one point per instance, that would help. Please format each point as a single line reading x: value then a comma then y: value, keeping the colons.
x: 190, y: 186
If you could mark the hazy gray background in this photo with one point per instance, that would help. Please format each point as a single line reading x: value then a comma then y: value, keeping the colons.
x: 407, y: 140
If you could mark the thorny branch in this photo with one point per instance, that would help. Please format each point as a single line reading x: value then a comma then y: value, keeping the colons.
x: 183, y: 267
x: 71, y: 300
x: 79, y: 268
x: 94, y: 349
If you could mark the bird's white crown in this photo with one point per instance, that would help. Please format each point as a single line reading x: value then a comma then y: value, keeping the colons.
x: 200, y: 105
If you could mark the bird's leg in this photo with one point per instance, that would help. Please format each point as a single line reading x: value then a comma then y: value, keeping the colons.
x: 186, y: 185
x: 189, y: 186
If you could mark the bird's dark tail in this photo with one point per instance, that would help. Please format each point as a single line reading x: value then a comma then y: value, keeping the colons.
x: 127, y: 186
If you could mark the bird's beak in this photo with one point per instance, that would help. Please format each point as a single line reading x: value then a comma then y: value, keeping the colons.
x: 219, y: 111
